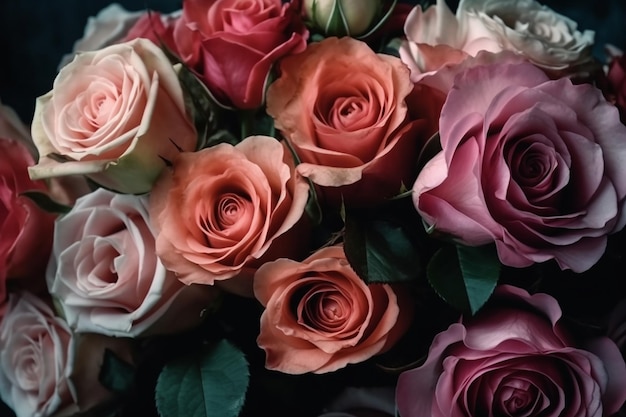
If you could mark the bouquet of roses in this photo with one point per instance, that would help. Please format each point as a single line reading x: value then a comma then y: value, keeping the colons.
x: 338, y: 208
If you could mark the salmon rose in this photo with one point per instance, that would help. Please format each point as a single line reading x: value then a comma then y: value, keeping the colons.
x: 224, y: 210
x: 353, y: 117
x: 321, y: 316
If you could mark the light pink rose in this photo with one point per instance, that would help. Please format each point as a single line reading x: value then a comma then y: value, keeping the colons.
x: 34, y: 353
x: 107, y: 278
x: 115, y: 115
x: 436, y: 37
x: 514, y: 358
x: 534, y: 165
x: 321, y: 316
x: 25, y: 229
x: 223, y: 211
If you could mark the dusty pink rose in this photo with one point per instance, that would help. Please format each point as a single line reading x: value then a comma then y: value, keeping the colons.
x: 514, y: 358
x: 353, y: 117
x: 34, y: 353
x: 534, y: 165
x: 233, y: 44
x: 321, y: 316
x: 25, y: 229
x: 114, y: 115
x: 106, y: 276
x: 224, y: 210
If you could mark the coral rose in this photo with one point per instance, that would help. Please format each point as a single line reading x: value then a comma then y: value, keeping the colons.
x: 106, y: 276
x: 224, y: 210
x: 353, y: 117
x: 534, y: 165
x: 114, y: 115
x: 233, y: 44
x: 321, y: 316
x: 514, y: 358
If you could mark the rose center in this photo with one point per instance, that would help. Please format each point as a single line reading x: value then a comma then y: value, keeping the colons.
x: 516, y: 396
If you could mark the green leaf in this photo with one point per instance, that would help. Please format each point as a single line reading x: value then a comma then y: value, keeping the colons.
x: 116, y: 375
x: 45, y: 202
x: 464, y: 276
x: 381, y: 249
x: 211, y: 383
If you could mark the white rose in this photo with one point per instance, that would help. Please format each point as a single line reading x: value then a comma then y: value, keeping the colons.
x: 105, y: 274
x: 547, y: 38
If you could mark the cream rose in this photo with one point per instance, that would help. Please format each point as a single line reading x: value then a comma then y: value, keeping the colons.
x: 114, y: 114
x: 547, y: 38
x: 437, y: 38
x: 106, y: 276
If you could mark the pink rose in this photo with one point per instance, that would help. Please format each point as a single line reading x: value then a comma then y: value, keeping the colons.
x: 354, y: 119
x: 115, y: 115
x: 25, y: 229
x: 232, y: 44
x: 105, y: 273
x: 534, y: 165
x: 514, y: 358
x: 321, y: 316
x: 224, y: 210
x: 34, y: 353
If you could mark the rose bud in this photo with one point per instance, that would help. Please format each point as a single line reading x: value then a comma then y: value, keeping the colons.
x: 342, y: 17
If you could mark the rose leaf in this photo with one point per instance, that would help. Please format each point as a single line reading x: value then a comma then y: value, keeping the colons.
x: 212, y: 382
x: 116, y: 374
x: 464, y: 276
x: 381, y: 250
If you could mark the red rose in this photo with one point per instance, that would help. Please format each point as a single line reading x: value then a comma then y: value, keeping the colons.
x: 233, y: 44
x: 25, y: 229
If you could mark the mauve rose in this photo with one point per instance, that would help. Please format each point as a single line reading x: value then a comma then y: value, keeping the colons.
x: 106, y: 276
x: 534, y: 165
x: 114, y: 115
x: 34, y: 352
x: 354, y: 119
x: 224, y: 210
x: 321, y: 316
x: 514, y: 358
x: 25, y: 229
x: 233, y: 44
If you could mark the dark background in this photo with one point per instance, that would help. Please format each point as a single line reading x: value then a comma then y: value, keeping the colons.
x: 35, y: 34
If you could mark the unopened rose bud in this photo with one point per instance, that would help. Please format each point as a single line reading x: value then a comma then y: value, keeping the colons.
x: 342, y: 17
